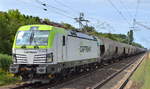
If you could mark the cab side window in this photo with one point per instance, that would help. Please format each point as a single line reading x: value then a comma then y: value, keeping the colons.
x: 64, y: 41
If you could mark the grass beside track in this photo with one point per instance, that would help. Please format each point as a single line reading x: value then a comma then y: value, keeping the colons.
x: 141, y: 77
x: 7, y: 78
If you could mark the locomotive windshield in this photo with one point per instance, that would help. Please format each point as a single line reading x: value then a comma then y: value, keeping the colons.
x: 32, y: 37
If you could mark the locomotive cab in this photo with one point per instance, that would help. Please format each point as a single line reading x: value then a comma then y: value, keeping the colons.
x: 34, y: 49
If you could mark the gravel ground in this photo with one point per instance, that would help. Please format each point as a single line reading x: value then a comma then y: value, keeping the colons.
x: 90, y: 79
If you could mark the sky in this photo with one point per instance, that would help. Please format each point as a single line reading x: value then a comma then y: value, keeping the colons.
x: 113, y: 16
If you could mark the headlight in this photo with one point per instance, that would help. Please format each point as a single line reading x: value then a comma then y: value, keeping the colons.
x: 49, y: 57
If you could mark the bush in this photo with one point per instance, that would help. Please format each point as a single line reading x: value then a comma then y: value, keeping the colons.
x: 7, y: 78
x: 5, y: 61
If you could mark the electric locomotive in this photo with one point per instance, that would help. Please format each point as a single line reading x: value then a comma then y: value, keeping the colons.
x: 43, y: 51
x: 39, y: 51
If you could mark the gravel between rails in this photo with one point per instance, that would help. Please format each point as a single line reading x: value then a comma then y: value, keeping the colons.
x: 88, y: 80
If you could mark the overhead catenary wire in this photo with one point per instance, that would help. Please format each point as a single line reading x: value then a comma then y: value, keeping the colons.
x: 66, y: 6
x: 37, y: 6
x: 136, y: 13
x: 62, y: 14
x: 59, y: 2
x: 46, y: 5
x: 126, y: 8
x: 59, y: 11
x: 70, y: 8
x: 73, y: 9
x: 137, y: 8
x: 56, y: 10
x: 46, y: 9
x: 118, y: 11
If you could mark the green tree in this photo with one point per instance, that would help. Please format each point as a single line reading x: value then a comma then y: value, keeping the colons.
x: 88, y: 29
x: 9, y: 23
x: 68, y: 26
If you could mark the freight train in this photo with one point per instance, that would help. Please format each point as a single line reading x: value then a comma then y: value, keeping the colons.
x: 44, y: 51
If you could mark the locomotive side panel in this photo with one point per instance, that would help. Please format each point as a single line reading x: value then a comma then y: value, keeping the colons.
x: 81, y: 49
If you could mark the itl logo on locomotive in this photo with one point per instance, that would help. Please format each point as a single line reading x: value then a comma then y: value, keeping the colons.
x: 85, y: 49
x: 30, y: 51
x: 34, y: 51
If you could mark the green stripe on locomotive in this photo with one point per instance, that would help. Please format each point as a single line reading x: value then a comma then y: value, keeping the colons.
x: 53, y: 31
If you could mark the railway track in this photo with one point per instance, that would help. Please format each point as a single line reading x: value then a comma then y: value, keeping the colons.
x: 95, y: 79
x: 28, y: 85
x: 124, y: 81
x: 88, y: 80
x: 122, y: 84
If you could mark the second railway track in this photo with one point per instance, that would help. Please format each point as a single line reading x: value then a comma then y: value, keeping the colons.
x: 129, y: 69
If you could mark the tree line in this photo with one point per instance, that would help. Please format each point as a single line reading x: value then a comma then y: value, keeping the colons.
x: 10, y: 21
